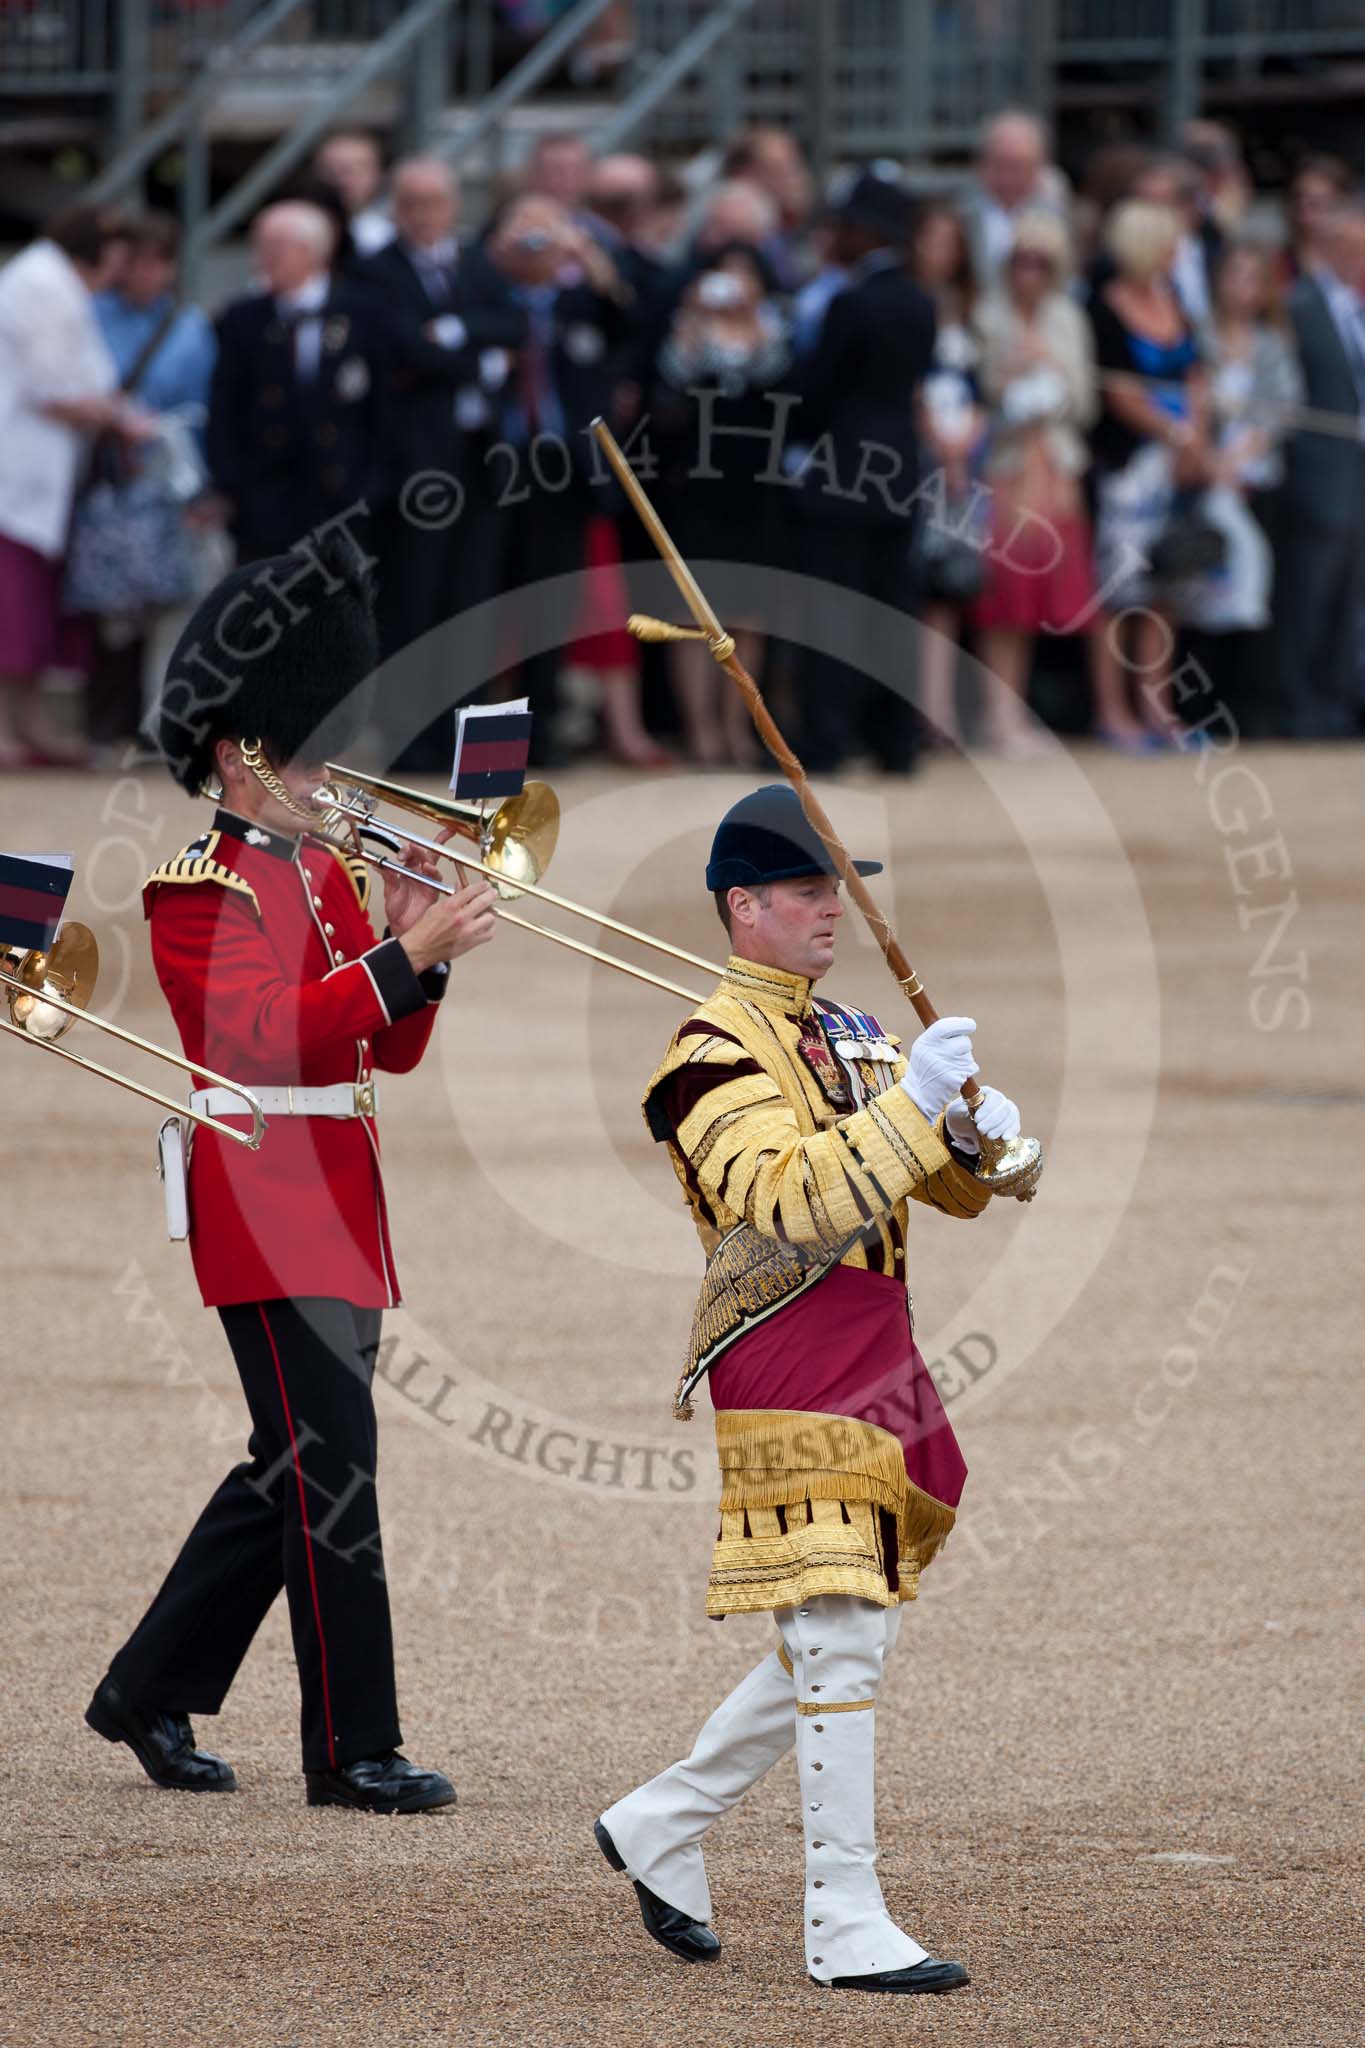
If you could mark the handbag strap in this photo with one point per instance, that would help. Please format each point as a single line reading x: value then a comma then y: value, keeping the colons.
x: 108, y: 462
x: 141, y: 363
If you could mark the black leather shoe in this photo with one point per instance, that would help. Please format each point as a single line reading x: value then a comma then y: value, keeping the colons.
x: 162, y: 1743
x: 691, y: 1939
x: 381, y: 1784
x: 926, y: 1976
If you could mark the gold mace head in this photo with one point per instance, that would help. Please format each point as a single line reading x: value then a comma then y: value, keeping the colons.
x: 1010, y: 1166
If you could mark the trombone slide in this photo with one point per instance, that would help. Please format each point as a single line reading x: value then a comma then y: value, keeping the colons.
x: 346, y: 800
x: 250, y: 1107
x: 524, y: 924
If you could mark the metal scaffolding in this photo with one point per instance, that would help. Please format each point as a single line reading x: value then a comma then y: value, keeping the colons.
x: 855, y: 79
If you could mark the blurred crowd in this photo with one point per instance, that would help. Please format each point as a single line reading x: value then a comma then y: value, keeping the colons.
x: 1109, y: 430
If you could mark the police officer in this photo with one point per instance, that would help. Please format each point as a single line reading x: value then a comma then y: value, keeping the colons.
x: 264, y: 949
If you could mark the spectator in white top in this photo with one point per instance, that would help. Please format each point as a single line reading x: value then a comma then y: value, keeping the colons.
x: 1037, y: 372
x: 58, y: 386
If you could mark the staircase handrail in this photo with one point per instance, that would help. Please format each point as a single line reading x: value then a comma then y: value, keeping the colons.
x: 172, y: 122
x: 261, y: 180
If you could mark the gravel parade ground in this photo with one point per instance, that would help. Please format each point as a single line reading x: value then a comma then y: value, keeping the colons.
x: 1119, y: 1745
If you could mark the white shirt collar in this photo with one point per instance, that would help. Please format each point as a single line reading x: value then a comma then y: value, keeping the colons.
x: 1340, y: 296
x: 309, y: 298
x: 443, y: 253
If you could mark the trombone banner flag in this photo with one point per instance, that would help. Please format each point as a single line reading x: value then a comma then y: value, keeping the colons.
x: 33, y: 892
x: 492, y: 744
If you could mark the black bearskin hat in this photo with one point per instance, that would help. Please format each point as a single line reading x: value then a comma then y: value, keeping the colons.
x: 282, y: 651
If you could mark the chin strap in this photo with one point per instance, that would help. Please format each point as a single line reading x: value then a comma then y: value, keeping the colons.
x: 253, y: 758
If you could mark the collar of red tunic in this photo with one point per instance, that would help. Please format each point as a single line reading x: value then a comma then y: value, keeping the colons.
x: 770, y: 987
x: 278, y: 844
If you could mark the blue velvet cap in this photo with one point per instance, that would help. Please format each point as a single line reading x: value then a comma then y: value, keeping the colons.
x: 765, y: 838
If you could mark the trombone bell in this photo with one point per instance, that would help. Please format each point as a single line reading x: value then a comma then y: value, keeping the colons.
x: 518, y: 839
x: 46, y: 993
x: 68, y: 970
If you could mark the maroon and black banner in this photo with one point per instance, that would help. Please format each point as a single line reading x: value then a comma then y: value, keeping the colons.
x: 33, y: 896
x: 492, y: 744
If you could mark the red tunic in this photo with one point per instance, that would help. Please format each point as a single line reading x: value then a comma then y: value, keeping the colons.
x: 270, y: 965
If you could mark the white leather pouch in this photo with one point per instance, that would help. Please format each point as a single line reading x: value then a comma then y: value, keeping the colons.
x: 171, y: 1168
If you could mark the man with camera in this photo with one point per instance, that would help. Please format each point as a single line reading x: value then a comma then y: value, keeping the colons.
x: 543, y: 469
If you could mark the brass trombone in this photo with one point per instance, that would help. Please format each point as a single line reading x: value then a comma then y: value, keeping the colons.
x: 47, y: 992
x: 515, y: 844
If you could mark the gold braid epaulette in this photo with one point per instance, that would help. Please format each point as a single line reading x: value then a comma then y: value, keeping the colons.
x: 358, y: 870
x: 748, y: 1277
x: 362, y: 878
x: 197, y: 864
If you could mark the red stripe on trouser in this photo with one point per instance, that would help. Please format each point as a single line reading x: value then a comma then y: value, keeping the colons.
x: 307, y: 1539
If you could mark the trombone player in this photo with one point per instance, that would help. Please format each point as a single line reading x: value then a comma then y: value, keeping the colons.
x: 264, y: 949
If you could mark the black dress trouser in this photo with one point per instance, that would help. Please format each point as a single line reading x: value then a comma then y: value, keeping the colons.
x: 541, y: 536
x: 301, y: 1513
x: 844, y: 706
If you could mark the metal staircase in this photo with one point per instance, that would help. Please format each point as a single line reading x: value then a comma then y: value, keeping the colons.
x: 411, y: 59
x: 177, y: 79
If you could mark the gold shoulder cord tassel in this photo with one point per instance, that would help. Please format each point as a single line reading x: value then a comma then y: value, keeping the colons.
x: 641, y: 627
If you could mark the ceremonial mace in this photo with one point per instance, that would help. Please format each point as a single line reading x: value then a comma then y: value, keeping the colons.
x: 1007, y: 1166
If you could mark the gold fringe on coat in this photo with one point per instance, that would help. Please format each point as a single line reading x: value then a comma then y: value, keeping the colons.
x: 802, y: 1508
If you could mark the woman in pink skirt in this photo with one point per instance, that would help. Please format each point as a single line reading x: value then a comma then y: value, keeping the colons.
x: 603, y: 647
x: 1037, y: 372
x: 58, y: 385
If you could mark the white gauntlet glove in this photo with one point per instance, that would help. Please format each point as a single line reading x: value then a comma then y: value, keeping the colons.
x: 996, y: 1115
x: 940, y: 1061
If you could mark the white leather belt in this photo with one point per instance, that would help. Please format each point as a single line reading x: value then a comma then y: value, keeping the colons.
x: 346, y: 1098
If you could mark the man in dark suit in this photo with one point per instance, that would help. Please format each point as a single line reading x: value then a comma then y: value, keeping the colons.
x: 1319, y: 585
x: 297, y: 426
x: 858, y: 472
x: 621, y: 200
x: 454, y: 327
x: 546, y: 471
